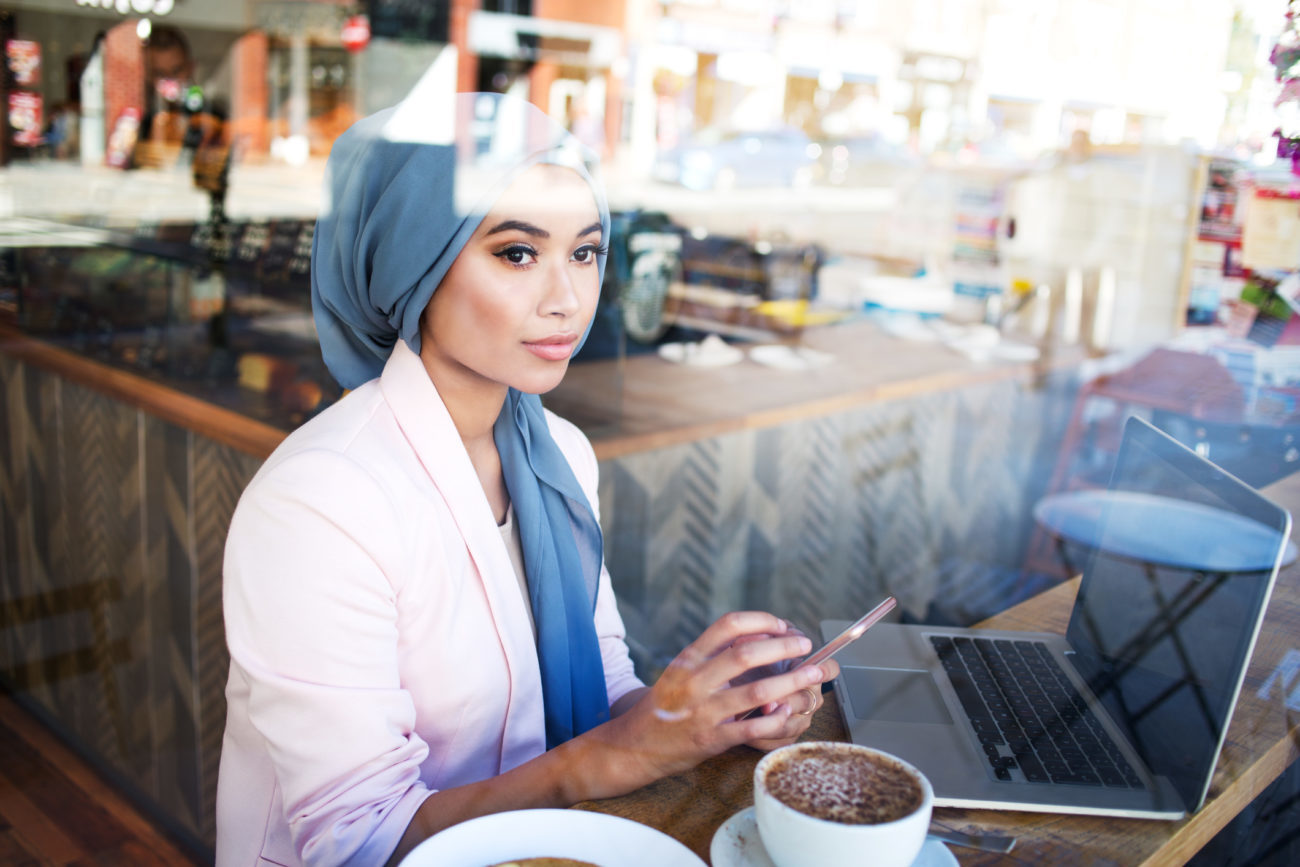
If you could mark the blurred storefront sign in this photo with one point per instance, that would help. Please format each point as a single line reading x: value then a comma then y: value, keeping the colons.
x: 130, y: 7
x: 409, y: 19
x: 24, y: 60
x: 713, y: 37
x: 25, y: 118
x: 25, y: 108
x: 356, y: 33
x: 185, y: 14
x: 718, y: 26
x: 519, y: 37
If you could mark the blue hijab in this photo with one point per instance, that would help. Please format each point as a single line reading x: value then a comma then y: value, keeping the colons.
x: 405, y: 190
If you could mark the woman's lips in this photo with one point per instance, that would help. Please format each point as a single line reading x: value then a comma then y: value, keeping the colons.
x: 556, y: 348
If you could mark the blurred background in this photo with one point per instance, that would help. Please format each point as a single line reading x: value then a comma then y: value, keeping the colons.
x: 884, y: 277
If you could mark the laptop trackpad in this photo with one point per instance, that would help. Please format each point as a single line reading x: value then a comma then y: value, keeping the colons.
x: 890, y: 695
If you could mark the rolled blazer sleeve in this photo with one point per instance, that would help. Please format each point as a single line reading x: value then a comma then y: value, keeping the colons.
x: 312, y: 626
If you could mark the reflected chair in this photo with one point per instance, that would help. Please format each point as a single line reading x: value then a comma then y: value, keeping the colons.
x: 1164, y: 385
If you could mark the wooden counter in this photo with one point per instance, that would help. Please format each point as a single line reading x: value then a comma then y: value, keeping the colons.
x: 624, y: 405
x: 163, y: 401
x: 644, y: 402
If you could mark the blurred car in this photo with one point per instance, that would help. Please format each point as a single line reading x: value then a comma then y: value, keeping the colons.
x: 864, y: 161
x: 714, y: 160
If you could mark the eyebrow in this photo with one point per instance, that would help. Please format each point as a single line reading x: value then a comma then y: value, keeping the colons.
x: 536, y: 231
x: 521, y: 226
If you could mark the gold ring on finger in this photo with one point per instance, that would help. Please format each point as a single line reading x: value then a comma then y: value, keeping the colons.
x: 812, y: 697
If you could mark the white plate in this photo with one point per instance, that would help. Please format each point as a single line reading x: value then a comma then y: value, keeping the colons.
x: 737, y: 844
x: 1016, y: 351
x: 596, y: 837
x: 784, y: 357
x: 712, y: 351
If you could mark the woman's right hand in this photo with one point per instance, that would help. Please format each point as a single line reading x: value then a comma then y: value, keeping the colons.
x: 693, y: 711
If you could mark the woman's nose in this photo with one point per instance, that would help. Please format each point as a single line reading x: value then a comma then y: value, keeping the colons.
x: 561, y: 298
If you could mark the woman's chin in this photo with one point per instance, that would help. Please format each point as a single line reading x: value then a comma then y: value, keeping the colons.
x: 541, y: 383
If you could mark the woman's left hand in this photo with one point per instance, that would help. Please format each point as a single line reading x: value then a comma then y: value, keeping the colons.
x: 803, y: 704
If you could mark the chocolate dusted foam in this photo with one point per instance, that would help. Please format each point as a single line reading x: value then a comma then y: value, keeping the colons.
x: 846, y: 787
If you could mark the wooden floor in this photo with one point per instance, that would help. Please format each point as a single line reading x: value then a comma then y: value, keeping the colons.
x: 56, y: 810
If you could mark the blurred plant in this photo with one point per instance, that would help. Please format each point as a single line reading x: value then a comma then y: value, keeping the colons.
x: 1285, y: 58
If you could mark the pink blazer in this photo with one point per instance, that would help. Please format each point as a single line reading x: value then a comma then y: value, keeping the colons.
x: 380, y: 645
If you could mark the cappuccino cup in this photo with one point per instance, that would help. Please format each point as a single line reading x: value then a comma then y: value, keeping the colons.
x: 825, y: 802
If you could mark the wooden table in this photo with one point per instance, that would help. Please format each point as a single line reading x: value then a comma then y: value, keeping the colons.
x: 1263, y: 739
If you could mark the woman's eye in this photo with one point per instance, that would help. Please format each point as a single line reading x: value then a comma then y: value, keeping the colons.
x: 587, y: 253
x: 517, y: 255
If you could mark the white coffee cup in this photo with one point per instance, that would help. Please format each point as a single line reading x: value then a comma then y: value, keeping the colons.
x: 794, y: 838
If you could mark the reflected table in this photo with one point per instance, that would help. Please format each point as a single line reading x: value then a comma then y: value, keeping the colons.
x: 1160, y: 531
x: 1261, y: 742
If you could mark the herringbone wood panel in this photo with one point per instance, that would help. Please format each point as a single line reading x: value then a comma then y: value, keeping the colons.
x: 820, y: 518
x: 110, y: 554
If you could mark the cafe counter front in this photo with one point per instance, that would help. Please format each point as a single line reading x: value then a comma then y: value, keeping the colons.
x: 898, y: 467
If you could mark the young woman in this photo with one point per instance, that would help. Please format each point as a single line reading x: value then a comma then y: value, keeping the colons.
x: 420, y: 625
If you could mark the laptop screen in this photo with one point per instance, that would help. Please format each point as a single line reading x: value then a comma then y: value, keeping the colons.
x: 1171, y: 600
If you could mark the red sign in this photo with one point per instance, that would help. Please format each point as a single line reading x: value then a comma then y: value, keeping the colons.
x: 24, y: 59
x: 356, y: 33
x: 25, y: 118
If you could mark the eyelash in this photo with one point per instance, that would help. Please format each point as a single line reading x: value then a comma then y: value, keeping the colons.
x: 504, y: 253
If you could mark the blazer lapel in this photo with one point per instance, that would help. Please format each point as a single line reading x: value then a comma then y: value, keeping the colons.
x: 428, y: 427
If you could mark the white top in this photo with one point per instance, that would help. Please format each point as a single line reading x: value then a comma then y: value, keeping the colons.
x: 515, y: 547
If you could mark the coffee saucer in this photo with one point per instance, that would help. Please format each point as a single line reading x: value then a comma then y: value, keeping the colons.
x: 737, y: 844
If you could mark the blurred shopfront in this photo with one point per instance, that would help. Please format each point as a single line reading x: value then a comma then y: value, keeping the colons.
x: 288, y: 83
x: 73, y: 35
x: 561, y: 55
x: 279, y: 71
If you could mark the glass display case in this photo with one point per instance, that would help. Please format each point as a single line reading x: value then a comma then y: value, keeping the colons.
x: 222, y: 312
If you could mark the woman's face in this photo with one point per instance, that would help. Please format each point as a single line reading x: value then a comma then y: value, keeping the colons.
x: 512, y: 307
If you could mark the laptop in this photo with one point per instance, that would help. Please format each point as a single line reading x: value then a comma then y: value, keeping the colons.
x: 1126, y: 713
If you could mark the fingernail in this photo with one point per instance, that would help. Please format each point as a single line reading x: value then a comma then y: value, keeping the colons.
x: 805, y: 645
x: 813, y: 673
x: 784, y: 626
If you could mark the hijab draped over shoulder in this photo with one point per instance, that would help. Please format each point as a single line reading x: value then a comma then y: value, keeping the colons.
x: 405, y: 189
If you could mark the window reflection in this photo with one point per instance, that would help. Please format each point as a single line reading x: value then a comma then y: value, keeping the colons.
x: 966, y: 240
x: 1282, y: 682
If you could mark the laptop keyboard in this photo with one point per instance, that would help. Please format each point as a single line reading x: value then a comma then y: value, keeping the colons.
x: 1046, y: 729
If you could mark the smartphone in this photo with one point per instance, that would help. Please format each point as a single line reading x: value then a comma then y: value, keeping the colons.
x: 843, y: 640
x: 850, y: 635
